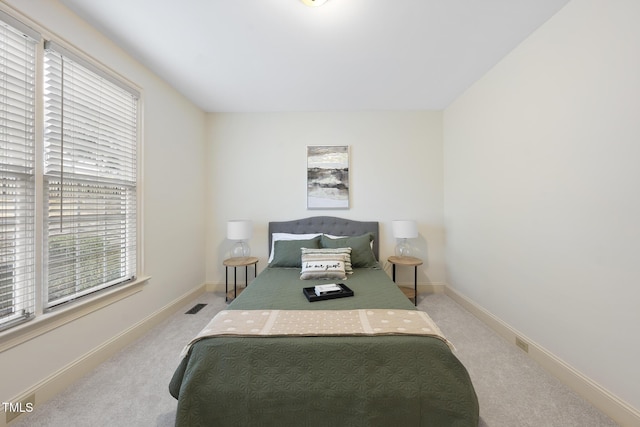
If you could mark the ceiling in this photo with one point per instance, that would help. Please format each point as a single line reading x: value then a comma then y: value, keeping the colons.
x: 347, y: 55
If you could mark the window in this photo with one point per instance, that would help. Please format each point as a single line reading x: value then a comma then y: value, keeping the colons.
x: 78, y: 166
x: 17, y: 172
x: 90, y: 141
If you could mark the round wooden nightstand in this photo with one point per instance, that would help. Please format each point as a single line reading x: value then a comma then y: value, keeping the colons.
x: 245, y: 262
x: 408, y: 261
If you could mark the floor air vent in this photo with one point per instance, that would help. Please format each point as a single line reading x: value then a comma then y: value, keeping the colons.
x: 196, y: 308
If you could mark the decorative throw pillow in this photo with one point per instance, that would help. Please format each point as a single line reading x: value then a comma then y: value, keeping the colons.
x: 287, y: 252
x: 361, y: 253
x: 328, y: 252
x: 323, y: 266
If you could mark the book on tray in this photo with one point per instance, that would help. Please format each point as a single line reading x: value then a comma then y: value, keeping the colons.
x: 327, y: 289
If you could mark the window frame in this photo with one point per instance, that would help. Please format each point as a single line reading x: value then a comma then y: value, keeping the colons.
x: 44, y: 320
x: 90, y: 177
x: 18, y: 180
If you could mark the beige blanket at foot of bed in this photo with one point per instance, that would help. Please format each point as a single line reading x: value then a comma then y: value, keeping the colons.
x: 308, y: 323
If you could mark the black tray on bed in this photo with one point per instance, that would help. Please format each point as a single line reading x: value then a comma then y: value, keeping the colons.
x: 311, y: 294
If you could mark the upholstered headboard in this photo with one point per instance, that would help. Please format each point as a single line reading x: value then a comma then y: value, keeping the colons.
x: 328, y: 225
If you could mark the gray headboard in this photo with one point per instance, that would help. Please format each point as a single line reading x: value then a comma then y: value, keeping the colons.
x: 328, y: 225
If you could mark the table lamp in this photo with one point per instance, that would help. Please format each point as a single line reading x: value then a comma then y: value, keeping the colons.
x: 403, y: 230
x: 241, y: 231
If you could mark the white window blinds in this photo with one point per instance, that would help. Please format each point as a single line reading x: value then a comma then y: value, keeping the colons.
x: 90, y: 158
x: 17, y: 195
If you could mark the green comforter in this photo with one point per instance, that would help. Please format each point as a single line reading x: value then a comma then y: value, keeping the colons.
x: 323, y: 381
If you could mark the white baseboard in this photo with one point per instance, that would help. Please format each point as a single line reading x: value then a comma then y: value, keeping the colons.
x: 428, y: 288
x: 214, y: 287
x: 64, y: 377
x: 618, y: 410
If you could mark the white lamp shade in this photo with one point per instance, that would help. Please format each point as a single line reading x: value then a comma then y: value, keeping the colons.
x: 405, y: 229
x: 239, y: 229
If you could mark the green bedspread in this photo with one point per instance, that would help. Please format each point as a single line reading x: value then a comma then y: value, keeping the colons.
x: 322, y: 381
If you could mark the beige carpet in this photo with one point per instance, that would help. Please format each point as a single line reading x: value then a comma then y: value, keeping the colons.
x: 131, y: 388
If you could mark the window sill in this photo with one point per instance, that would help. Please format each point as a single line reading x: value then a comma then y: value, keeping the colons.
x: 54, y: 319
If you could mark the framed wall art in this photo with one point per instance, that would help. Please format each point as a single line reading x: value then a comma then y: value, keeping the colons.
x: 328, y: 177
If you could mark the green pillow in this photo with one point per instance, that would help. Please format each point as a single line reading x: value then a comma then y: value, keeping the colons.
x: 288, y: 253
x: 361, y: 253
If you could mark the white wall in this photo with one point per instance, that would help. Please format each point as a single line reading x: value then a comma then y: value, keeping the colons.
x: 258, y: 171
x: 174, y: 184
x: 542, y: 196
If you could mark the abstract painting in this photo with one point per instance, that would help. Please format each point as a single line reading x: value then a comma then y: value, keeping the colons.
x: 328, y: 177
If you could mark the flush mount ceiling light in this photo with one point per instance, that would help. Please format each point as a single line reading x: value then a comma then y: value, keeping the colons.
x: 314, y: 3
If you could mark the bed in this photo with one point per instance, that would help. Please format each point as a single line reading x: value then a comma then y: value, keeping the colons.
x: 318, y: 377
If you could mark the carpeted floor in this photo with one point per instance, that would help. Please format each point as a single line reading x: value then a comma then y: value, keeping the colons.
x: 131, y: 388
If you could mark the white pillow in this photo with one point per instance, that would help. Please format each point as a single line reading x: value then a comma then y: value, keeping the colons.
x: 288, y: 236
